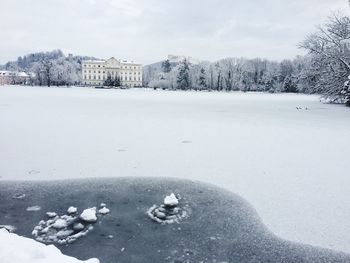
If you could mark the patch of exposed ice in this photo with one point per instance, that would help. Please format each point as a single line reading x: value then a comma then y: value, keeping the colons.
x: 103, y: 205
x: 89, y: 215
x: 33, y: 208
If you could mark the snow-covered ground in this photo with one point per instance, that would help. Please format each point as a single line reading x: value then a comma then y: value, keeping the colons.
x: 290, y: 164
x: 16, y: 249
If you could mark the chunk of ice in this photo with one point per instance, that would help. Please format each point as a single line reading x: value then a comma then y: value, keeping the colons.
x: 89, y: 215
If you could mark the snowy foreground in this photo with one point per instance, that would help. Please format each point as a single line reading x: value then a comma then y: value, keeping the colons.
x: 16, y: 249
x: 285, y: 154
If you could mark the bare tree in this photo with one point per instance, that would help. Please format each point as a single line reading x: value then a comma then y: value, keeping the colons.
x: 330, y: 51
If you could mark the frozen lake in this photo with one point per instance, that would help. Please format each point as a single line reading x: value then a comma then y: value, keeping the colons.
x: 290, y: 164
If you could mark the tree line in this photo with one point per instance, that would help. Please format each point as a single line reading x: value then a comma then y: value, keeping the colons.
x: 324, y: 70
x: 49, y: 68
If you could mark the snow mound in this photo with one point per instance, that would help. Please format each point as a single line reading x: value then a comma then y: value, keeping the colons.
x: 66, y: 229
x: 171, y: 200
x: 63, y: 229
x: 60, y: 223
x: 31, y: 251
x: 8, y: 228
x: 72, y: 210
x: 89, y: 215
x: 103, y: 211
x: 51, y: 214
x: 170, y: 212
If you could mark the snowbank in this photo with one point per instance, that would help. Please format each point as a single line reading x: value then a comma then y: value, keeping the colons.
x: 17, y: 249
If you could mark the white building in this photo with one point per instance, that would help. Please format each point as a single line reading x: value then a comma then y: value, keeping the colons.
x: 95, y: 72
x: 13, y: 78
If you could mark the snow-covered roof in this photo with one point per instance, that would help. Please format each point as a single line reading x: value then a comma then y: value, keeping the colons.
x: 94, y: 61
x: 13, y: 73
x: 122, y: 61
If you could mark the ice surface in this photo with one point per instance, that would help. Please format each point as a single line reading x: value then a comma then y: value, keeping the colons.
x: 16, y: 249
x: 211, y: 225
x: 289, y: 164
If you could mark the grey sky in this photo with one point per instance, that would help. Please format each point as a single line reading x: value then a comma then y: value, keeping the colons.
x: 148, y: 30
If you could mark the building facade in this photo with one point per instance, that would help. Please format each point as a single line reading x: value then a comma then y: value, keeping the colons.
x: 13, y: 78
x: 96, y: 72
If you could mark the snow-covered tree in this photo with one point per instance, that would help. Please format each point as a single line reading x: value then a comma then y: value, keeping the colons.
x: 183, y: 76
x: 329, y: 48
x: 202, y: 81
x: 166, y: 66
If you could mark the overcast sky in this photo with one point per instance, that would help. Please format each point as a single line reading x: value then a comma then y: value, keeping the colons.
x: 148, y: 30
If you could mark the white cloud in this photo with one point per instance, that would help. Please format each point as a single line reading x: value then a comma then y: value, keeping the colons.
x: 149, y: 30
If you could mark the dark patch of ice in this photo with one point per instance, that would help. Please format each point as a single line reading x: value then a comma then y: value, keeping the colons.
x: 222, y: 227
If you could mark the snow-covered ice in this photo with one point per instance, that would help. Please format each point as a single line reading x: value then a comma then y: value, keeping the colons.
x: 17, y: 249
x: 89, y: 215
x: 288, y: 163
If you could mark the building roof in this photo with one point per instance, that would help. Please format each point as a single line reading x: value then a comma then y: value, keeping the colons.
x: 13, y: 73
x: 122, y: 61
